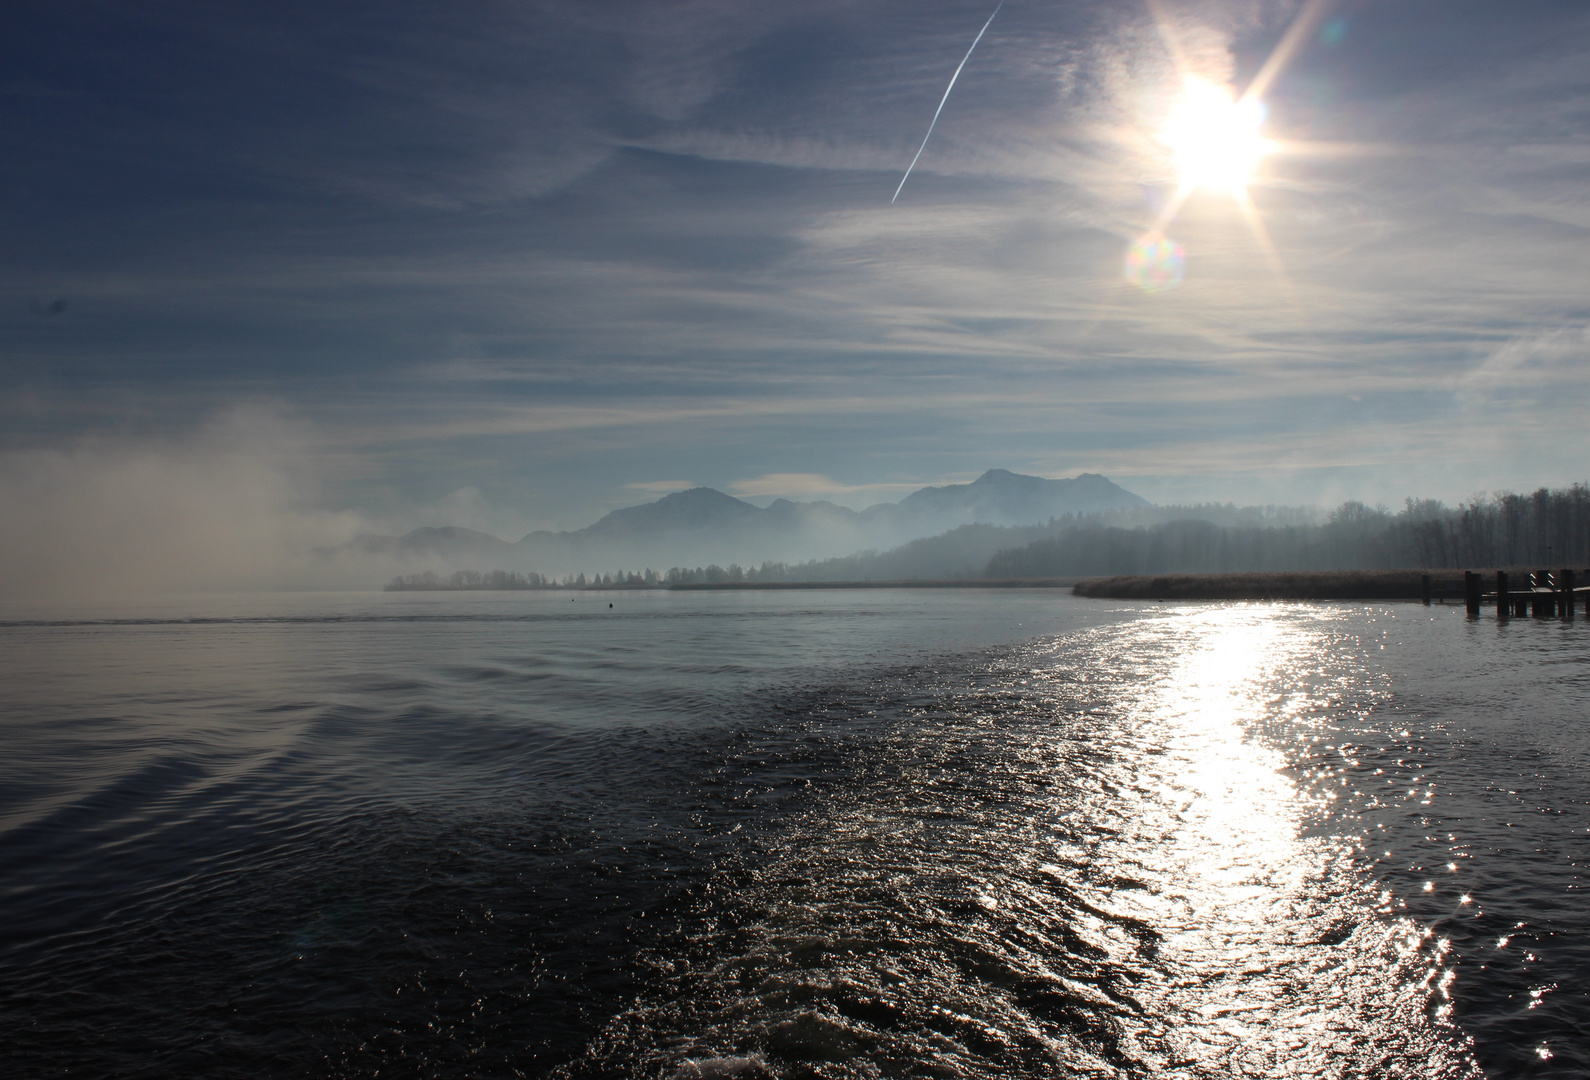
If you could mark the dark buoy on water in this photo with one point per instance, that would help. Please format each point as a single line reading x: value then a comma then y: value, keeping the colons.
x: 609, y: 605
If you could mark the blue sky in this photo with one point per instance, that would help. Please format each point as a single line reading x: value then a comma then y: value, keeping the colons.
x: 515, y: 265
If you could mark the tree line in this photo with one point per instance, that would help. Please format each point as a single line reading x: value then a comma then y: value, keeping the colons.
x: 464, y: 580
x: 1547, y: 528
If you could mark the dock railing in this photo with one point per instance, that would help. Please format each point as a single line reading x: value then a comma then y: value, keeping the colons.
x: 1542, y: 594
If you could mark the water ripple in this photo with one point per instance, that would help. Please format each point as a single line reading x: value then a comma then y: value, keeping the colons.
x: 949, y: 836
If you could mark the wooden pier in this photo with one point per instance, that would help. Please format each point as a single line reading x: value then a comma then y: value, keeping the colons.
x: 1541, y: 594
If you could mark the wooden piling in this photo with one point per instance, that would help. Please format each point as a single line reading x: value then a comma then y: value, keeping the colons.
x: 1504, y: 606
x: 1565, y: 585
x: 1471, y: 593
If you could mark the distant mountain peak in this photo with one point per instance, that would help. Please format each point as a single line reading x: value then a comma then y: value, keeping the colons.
x: 1002, y: 497
x: 703, y: 496
x: 703, y: 525
x: 692, y: 509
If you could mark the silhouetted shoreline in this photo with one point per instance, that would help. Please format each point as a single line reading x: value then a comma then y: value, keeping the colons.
x: 1319, y: 585
x: 742, y: 586
x: 1440, y: 586
x: 955, y: 583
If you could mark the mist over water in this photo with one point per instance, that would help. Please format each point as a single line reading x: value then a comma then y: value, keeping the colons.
x: 231, y: 505
x: 824, y: 834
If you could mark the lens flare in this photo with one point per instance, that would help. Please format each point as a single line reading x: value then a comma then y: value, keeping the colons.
x: 1154, y: 263
x: 1215, y: 138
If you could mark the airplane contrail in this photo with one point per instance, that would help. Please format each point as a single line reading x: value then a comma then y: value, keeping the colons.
x: 945, y: 98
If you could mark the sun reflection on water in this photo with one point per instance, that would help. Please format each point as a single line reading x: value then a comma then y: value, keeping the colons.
x: 1278, y: 952
x: 1119, y: 853
x: 1239, y: 810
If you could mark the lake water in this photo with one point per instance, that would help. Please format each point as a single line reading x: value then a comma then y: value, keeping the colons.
x: 812, y: 834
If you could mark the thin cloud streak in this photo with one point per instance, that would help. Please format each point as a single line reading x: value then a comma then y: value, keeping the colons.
x: 811, y: 485
x: 934, y: 122
x: 661, y: 487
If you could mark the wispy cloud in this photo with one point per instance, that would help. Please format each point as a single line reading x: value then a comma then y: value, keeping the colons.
x: 1549, y: 366
x: 660, y: 487
x: 812, y: 485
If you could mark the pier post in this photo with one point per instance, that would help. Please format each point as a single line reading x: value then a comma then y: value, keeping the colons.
x: 1424, y: 589
x: 1504, y: 604
x: 1565, y: 584
x: 1471, y: 593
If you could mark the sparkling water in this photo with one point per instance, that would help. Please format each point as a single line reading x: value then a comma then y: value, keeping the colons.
x: 799, y: 834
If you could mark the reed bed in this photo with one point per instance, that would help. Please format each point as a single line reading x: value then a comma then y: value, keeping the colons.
x: 1320, y: 585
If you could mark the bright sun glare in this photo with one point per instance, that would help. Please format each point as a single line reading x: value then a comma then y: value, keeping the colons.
x: 1215, y: 138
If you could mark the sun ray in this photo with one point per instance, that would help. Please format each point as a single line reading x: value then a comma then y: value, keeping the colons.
x: 1302, y: 25
x: 1272, y: 255
x: 1172, y: 207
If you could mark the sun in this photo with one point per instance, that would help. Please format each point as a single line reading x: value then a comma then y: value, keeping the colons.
x: 1215, y: 137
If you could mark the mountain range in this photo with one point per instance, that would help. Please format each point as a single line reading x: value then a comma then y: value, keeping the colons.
x: 703, y: 526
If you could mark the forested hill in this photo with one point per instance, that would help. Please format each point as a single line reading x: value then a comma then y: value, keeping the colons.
x: 1545, y: 528
x: 965, y: 552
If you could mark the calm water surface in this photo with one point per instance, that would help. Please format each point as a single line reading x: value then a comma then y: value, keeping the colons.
x: 848, y: 834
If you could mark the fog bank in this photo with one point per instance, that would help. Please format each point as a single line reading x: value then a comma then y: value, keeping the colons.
x: 230, y: 506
